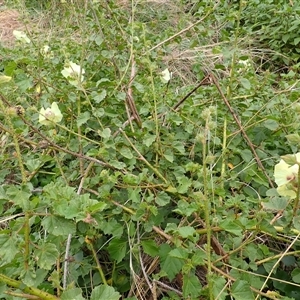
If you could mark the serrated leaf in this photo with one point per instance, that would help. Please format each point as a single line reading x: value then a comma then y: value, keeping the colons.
x: 169, y: 155
x: 271, y: 124
x: 186, y: 231
x: 8, y: 248
x: 240, y: 290
x: 199, y: 257
x: 246, y: 155
x: 98, y: 97
x: 46, y: 255
x: 126, y: 152
x: 245, y: 83
x: 149, y: 140
x: 73, y: 293
x: 100, y: 206
x: 179, y: 253
x: 191, y: 286
x: 218, y: 288
x: 150, y: 247
x: 231, y: 226
x: 185, y: 183
x: 19, y: 195
x: 105, y: 133
x: 275, y: 204
x: 59, y: 226
x: 117, y: 249
x: 83, y: 118
x: 170, y: 265
x: 117, y: 164
x: 104, y: 292
x: 162, y: 198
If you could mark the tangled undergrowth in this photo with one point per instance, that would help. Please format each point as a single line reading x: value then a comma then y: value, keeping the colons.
x: 138, y: 145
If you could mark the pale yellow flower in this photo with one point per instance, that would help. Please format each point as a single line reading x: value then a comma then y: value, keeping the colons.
x: 285, y: 173
x: 166, y: 76
x: 73, y: 73
x: 286, y: 176
x: 50, y: 115
x: 21, y: 36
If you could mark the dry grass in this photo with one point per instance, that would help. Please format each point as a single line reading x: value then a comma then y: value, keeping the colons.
x: 9, y: 21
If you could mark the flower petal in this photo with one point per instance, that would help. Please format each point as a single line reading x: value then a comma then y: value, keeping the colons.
x: 284, y: 173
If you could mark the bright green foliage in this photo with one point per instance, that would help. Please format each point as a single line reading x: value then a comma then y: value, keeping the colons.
x: 124, y: 178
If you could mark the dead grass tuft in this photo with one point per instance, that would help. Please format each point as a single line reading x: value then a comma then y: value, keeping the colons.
x: 9, y: 21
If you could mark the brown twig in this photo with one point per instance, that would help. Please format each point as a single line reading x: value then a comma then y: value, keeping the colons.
x: 204, y: 81
x: 130, y: 100
x: 54, y: 145
x: 239, y: 124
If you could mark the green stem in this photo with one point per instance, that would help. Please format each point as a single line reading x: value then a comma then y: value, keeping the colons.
x: 99, y: 268
x: 26, y: 289
x: 207, y: 211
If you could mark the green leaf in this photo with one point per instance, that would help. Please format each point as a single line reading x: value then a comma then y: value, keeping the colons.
x: 231, y: 226
x: 19, y: 195
x: 150, y: 247
x: 105, y: 133
x: 275, y: 204
x: 169, y: 155
x: 32, y: 277
x: 296, y: 222
x: 59, y: 226
x: 117, y: 249
x: 162, y: 198
x: 296, y: 41
x: 240, y: 290
x: 246, y: 155
x: 191, y: 286
x: 117, y: 164
x: 73, y: 293
x: 170, y: 265
x: 24, y: 84
x: 184, y: 184
x: 8, y: 248
x: 98, y: 97
x: 186, y: 209
x: 271, y: 124
x: 218, y: 288
x: 83, y: 118
x: 186, y: 231
x: 199, y: 257
x: 296, y: 275
x: 104, y: 292
x: 100, y: 206
x: 149, y: 140
x: 126, y: 152
x: 179, y: 253
x: 46, y: 255
x: 245, y: 83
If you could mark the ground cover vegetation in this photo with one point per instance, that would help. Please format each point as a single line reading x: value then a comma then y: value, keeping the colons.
x: 147, y: 150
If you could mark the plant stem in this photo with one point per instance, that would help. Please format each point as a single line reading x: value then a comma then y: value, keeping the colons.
x: 99, y: 268
x: 29, y: 290
x: 207, y: 211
